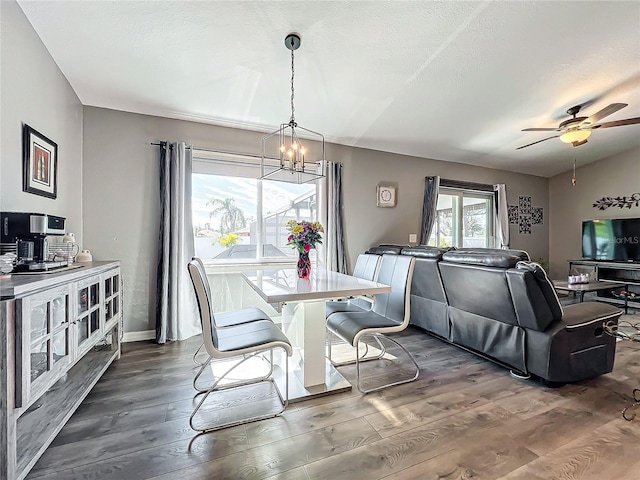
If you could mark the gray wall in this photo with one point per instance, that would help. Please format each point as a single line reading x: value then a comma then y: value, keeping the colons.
x: 35, y: 92
x: 615, y: 176
x: 368, y: 225
x: 121, y: 194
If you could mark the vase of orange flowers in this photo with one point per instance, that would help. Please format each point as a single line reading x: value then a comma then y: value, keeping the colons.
x: 303, y: 236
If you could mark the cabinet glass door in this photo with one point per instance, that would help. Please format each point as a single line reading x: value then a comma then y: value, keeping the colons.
x: 88, y: 313
x: 112, y: 298
x: 43, y: 341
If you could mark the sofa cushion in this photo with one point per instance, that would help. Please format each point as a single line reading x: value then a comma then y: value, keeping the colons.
x: 388, y: 249
x: 484, y: 257
x: 424, y: 251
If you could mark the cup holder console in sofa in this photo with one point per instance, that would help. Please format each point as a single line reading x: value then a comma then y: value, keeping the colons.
x: 501, y: 306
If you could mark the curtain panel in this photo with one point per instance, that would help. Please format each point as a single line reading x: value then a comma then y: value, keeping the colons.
x: 331, y: 216
x: 429, y: 207
x: 502, y: 215
x: 177, y: 317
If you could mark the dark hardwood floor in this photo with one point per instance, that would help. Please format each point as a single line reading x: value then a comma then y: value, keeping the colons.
x: 464, y: 418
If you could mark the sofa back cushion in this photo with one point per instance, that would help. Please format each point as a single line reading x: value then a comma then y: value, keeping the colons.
x: 478, y: 290
x: 487, y: 257
x: 534, y: 297
x: 428, y: 300
x: 386, y: 249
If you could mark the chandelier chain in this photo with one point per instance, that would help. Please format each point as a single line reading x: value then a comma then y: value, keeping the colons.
x: 293, y: 119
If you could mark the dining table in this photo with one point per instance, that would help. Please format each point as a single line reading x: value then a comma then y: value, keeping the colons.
x: 301, y: 302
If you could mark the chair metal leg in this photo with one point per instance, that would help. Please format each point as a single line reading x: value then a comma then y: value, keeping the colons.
x: 363, y: 357
x: 378, y: 337
x: 233, y: 384
x: 284, y: 401
x: 195, y: 360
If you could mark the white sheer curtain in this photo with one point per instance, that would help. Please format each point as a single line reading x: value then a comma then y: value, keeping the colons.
x: 176, y: 313
x: 333, y: 254
x: 502, y: 216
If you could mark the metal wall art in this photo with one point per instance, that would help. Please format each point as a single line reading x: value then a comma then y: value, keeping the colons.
x: 620, y: 202
x: 525, y: 215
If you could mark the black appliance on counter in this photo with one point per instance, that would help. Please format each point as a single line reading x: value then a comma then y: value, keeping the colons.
x: 28, y: 233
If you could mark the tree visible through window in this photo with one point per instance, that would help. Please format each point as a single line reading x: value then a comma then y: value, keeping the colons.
x: 245, y: 218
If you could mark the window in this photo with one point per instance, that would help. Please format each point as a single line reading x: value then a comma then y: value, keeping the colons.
x: 465, y: 218
x: 239, y: 218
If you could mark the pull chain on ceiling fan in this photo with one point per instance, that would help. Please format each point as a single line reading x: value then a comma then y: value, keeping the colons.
x: 577, y: 130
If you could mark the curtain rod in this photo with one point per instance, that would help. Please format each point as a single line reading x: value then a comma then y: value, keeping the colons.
x: 252, y: 155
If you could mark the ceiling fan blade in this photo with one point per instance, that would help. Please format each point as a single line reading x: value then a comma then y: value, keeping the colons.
x: 605, y: 112
x: 618, y: 123
x: 544, y: 139
x: 577, y: 144
x: 541, y: 130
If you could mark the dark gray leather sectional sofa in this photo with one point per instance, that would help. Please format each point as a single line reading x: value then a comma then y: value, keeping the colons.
x: 501, y: 306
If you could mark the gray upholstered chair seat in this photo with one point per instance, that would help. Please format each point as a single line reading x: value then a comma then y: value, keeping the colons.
x: 336, y: 307
x: 238, y: 317
x: 350, y: 325
x: 251, y: 335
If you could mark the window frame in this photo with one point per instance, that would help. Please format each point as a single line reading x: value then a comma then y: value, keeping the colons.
x: 458, y: 195
x: 207, y: 162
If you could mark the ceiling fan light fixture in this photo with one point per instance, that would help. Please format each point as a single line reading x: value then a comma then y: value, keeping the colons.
x: 575, y: 136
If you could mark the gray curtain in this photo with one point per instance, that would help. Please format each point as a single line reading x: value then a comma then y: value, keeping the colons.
x: 502, y: 215
x: 429, y: 207
x: 332, y: 217
x: 176, y: 314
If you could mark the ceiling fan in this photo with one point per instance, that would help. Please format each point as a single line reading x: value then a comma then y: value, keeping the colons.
x: 576, y: 130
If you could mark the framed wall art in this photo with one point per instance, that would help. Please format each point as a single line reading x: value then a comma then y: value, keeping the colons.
x: 386, y: 196
x: 40, y: 163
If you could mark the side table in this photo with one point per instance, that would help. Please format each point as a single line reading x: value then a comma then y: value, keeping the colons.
x: 630, y: 332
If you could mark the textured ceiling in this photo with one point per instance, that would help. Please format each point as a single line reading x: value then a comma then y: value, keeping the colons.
x: 454, y: 81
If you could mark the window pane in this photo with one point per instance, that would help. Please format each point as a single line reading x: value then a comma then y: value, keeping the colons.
x: 474, y: 222
x: 282, y: 202
x: 226, y: 214
x: 224, y: 209
x: 442, y: 234
x: 464, y: 219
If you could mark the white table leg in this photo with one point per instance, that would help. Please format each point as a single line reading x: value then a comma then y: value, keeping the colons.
x: 304, y: 324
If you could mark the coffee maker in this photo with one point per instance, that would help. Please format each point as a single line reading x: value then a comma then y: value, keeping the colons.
x: 28, y: 232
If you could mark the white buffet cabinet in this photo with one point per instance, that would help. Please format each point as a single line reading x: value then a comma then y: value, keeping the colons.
x: 58, y: 334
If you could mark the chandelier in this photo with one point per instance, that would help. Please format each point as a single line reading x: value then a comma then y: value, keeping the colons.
x: 295, y: 164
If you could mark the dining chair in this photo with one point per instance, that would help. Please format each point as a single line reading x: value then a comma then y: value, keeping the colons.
x: 244, y: 341
x: 390, y: 314
x: 227, y: 319
x: 366, y: 268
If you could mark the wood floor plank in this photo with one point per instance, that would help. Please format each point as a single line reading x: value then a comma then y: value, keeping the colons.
x: 464, y: 418
x: 282, y: 456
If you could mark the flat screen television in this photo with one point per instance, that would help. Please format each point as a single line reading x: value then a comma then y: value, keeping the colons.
x: 616, y: 239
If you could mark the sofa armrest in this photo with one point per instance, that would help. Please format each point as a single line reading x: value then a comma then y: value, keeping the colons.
x: 581, y: 314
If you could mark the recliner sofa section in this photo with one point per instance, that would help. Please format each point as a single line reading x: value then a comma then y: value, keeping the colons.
x: 501, y: 306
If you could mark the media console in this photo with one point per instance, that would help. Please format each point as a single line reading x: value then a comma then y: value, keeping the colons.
x: 626, y: 274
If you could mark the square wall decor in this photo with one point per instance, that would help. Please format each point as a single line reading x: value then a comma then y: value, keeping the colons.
x: 386, y: 196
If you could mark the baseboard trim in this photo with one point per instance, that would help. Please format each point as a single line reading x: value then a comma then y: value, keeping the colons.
x: 138, y: 336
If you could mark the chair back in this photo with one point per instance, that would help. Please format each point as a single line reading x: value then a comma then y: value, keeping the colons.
x: 366, y: 266
x: 396, y: 271
x: 203, y: 295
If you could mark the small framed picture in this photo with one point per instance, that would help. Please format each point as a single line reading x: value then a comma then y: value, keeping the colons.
x: 386, y: 196
x: 40, y: 163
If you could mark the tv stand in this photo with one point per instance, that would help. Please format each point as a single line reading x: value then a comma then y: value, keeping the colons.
x: 626, y: 274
